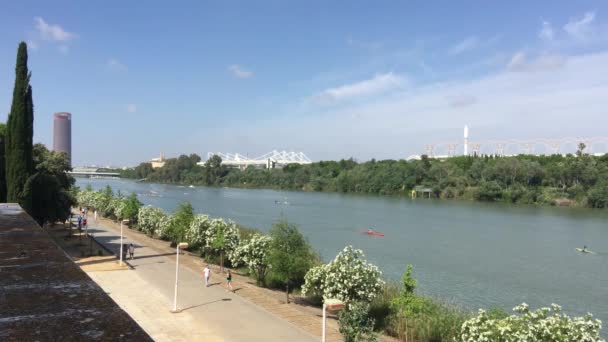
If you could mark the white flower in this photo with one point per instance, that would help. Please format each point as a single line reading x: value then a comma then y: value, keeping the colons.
x: 348, y: 277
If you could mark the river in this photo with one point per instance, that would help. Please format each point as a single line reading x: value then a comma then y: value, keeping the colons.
x: 477, y: 255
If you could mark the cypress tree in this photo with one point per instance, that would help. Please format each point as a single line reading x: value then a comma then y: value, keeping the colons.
x: 2, y: 163
x: 19, y: 132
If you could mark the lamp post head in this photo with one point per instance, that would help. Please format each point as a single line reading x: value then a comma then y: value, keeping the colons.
x: 124, y: 221
x: 333, y: 304
x: 182, y: 245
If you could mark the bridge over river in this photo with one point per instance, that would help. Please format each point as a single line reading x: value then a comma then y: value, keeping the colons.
x: 92, y: 172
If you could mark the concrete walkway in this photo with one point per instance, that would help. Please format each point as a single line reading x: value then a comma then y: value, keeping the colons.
x: 145, y: 291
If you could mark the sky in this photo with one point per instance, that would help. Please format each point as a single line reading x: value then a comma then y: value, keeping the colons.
x: 333, y: 79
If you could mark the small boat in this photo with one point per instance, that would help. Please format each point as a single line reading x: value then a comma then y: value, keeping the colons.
x: 191, y: 186
x: 372, y: 233
x: 584, y: 251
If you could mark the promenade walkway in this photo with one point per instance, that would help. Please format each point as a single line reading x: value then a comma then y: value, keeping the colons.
x: 145, y: 291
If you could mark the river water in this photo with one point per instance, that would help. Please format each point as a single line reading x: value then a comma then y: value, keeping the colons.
x: 476, y: 255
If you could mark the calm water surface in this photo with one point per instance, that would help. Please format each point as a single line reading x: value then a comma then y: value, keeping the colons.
x: 473, y: 254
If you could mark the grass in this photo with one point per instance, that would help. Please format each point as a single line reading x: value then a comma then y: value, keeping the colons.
x: 436, y: 320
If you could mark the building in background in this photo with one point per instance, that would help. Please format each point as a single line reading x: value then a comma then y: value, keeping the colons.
x: 158, y: 162
x: 62, y: 134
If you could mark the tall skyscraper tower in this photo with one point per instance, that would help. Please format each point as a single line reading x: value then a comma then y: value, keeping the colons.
x: 62, y: 134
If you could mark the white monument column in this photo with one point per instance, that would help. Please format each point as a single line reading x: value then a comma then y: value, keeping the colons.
x: 466, y: 140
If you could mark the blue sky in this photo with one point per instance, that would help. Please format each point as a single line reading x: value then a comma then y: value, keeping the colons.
x: 333, y: 79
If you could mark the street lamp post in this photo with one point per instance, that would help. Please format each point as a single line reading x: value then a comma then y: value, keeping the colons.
x: 121, y: 244
x: 181, y: 245
x: 332, y: 305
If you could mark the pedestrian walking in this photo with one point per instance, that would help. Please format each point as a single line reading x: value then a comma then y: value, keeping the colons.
x: 229, y: 281
x: 79, y: 222
x: 131, y: 250
x: 125, y: 249
x: 207, y: 274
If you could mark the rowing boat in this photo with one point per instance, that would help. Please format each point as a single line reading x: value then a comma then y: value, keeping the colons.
x: 372, y: 233
x: 584, y: 251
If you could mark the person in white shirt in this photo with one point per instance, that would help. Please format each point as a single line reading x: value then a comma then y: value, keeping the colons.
x: 207, y: 273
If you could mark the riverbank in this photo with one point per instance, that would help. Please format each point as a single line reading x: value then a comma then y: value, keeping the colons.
x: 452, y: 245
x: 574, y: 179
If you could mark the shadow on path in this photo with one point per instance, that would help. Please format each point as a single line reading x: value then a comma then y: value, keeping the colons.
x: 215, y: 301
x: 148, y: 263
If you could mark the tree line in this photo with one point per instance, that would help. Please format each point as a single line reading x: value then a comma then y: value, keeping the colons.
x: 31, y: 175
x: 577, y: 179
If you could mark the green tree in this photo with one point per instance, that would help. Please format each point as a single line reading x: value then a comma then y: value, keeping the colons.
x: 180, y: 221
x: 290, y: 254
x: 131, y: 208
x: 213, y: 170
x: 106, y: 203
x: 19, y: 134
x: 2, y: 163
x: 598, y: 196
x: 49, y: 188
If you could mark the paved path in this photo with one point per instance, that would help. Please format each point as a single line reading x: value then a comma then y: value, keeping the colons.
x: 145, y: 291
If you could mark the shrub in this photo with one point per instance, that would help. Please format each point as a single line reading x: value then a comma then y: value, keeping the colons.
x: 195, y: 234
x: 222, y: 237
x: 488, y: 191
x: 150, y: 220
x: 348, y: 277
x: 598, y: 196
x: 254, y: 253
x: 545, y: 324
x: 421, y: 318
x: 355, y: 323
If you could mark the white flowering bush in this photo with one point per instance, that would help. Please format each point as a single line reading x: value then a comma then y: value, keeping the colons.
x: 196, y: 232
x: 163, y: 227
x: 348, y: 277
x: 150, y: 220
x: 85, y: 198
x: 253, y: 253
x: 223, y: 237
x: 97, y: 200
x: 544, y: 324
x: 118, y: 208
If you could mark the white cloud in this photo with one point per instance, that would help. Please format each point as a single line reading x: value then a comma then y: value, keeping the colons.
x: 131, y: 108
x: 516, y: 105
x: 239, y: 72
x: 32, y: 45
x: 115, y: 65
x: 520, y: 62
x: 376, y: 85
x: 466, y: 45
x: 52, y: 32
x: 546, y: 32
x: 581, y: 27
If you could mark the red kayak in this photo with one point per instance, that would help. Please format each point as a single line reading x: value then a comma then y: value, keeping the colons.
x: 371, y: 233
